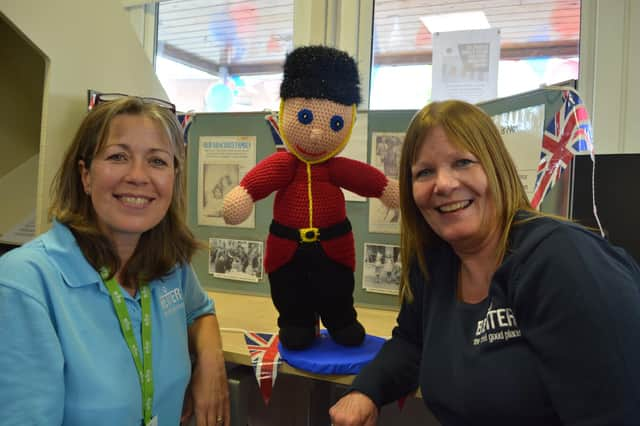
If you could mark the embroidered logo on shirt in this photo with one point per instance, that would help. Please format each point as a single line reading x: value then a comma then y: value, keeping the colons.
x: 499, y: 325
x: 171, y: 300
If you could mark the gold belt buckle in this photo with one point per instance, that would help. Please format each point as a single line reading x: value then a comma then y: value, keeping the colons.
x: 309, y: 235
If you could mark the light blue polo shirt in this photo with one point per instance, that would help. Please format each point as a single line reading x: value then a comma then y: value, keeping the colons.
x: 63, y: 359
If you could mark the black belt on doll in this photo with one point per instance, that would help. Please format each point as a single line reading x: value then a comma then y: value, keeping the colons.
x: 310, y: 235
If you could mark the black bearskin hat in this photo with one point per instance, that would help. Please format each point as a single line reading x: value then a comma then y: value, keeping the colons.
x: 321, y: 72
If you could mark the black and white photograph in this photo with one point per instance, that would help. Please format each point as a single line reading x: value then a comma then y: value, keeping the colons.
x: 387, y: 148
x: 218, y: 180
x: 381, y: 268
x: 239, y: 260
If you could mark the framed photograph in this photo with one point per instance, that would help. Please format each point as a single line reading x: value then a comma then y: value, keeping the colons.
x: 239, y: 260
x: 387, y: 148
x: 381, y: 270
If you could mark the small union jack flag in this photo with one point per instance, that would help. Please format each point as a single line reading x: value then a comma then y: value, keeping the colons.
x: 185, y: 120
x: 272, y: 122
x: 566, y: 134
x: 265, y: 357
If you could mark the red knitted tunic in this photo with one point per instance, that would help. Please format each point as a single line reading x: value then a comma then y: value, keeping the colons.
x: 285, y: 173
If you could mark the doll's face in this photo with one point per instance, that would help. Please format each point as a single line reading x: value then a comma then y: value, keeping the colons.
x: 316, y: 129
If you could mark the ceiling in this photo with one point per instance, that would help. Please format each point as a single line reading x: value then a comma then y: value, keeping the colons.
x: 251, y: 37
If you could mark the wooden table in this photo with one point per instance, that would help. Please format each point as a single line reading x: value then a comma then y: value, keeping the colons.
x: 238, y: 312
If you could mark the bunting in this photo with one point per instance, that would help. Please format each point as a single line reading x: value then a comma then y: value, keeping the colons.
x: 566, y: 134
x: 185, y: 120
x: 265, y: 357
x: 272, y: 122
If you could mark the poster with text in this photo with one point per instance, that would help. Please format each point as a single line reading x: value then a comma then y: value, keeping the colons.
x: 465, y: 65
x: 222, y: 162
x: 522, y: 132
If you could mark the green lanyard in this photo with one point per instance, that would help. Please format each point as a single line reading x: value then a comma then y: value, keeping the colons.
x: 145, y: 367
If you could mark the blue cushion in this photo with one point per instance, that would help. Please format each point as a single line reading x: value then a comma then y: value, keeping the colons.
x: 325, y: 356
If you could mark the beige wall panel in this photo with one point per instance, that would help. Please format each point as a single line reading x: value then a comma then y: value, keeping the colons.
x: 21, y: 84
x: 18, y: 187
x: 91, y: 45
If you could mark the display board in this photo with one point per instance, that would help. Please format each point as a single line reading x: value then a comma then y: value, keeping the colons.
x: 558, y: 199
x: 234, y: 125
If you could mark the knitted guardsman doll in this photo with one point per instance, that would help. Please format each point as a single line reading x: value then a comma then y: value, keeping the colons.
x: 310, y: 253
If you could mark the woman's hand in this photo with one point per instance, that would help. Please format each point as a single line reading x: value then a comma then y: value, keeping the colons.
x: 354, y: 409
x: 207, y: 395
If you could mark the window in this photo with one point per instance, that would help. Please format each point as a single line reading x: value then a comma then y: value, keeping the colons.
x: 539, y: 43
x: 223, y: 55
x: 227, y: 55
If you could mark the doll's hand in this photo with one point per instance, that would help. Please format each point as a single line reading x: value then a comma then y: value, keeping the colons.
x: 237, y: 206
x: 391, y: 194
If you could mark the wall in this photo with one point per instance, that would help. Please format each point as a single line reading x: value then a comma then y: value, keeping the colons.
x: 21, y: 84
x: 90, y: 44
x: 19, y: 186
x: 632, y: 87
x: 609, y: 66
x: 22, y: 77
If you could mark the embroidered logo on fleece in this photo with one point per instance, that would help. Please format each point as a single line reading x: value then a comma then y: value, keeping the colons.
x: 499, y: 325
x: 170, y: 300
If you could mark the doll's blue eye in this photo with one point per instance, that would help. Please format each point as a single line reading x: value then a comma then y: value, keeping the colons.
x: 337, y: 123
x: 305, y: 116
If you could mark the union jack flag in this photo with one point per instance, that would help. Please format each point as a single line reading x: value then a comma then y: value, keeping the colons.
x: 185, y: 120
x: 265, y: 357
x: 272, y: 122
x: 566, y: 134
